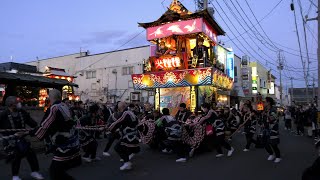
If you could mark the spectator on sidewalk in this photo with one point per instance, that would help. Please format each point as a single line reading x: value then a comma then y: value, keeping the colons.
x: 288, y: 119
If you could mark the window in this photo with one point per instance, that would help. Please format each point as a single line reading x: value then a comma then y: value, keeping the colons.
x: 93, y: 86
x: 91, y: 74
x: 130, y: 85
x: 127, y: 70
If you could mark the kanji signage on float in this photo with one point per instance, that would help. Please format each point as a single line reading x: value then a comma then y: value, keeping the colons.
x: 173, y: 62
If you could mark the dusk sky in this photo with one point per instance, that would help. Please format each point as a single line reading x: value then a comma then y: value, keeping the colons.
x: 37, y: 28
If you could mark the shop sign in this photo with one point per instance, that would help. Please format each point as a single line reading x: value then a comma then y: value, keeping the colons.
x: 246, y: 91
x: 271, y: 90
x: 245, y: 61
x: 167, y: 63
x: 254, y: 80
x: 230, y: 64
x: 260, y: 107
x: 222, y: 55
x: 222, y: 81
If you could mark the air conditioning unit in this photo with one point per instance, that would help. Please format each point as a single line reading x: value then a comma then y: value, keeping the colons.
x: 134, y: 97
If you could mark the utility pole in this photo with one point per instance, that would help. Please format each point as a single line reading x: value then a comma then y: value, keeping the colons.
x: 318, y: 94
x: 201, y: 4
x: 205, y: 4
x: 292, y: 100
x: 313, y: 90
x: 313, y: 19
x: 280, y: 68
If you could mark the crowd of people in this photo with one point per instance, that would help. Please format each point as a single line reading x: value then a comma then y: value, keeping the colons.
x: 70, y: 132
x: 302, y: 118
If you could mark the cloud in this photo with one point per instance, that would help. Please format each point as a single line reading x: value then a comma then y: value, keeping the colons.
x: 104, y: 37
x: 109, y: 38
x: 132, y: 40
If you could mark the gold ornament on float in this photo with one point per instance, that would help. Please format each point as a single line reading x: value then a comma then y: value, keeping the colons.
x: 146, y: 80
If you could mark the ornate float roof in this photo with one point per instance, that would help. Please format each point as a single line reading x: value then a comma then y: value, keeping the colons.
x: 178, y: 12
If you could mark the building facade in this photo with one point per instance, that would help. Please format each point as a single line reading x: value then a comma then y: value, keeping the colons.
x: 298, y: 96
x: 104, y: 77
x: 237, y: 92
x: 257, y: 80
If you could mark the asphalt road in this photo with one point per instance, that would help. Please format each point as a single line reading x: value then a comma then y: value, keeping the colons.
x: 298, y: 153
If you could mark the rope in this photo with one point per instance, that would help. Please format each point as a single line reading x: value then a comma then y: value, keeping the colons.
x: 8, y: 137
x: 95, y: 128
x: 14, y: 130
x: 239, y: 128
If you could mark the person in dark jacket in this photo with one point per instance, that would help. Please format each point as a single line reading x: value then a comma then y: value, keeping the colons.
x: 250, y: 126
x: 112, y: 136
x: 313, y: 172
x: 13, y: 117
x: 233, y: 120
x: 60, y: 128
x: 173, y: 131
x: 211, y: 118
x: 183, y: 114
x: 129, y: 141
x: 271, y: 129
x: 300, y: 121
x: 76, y: 111
x: 314, y: 120
x: 87, y: 138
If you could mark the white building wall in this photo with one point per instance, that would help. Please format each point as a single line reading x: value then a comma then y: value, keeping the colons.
x: 106, y: 83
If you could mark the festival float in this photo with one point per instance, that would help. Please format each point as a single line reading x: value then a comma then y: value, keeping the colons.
x: 183, y: 64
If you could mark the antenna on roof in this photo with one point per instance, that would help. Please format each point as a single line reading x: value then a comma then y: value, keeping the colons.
x: 38, y: 64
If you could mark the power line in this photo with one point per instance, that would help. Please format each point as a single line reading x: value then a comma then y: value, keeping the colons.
x: 260, y: 19
x: 313, y: 4
x: 305, y: 36
x: 302, y: 61
x: 290, y: 48
x: 269, y: 38
x: 231, y: 39
x: 251, y: 24
x: 115, y: 50
x: 260, y: 25
x: 230, y: 9
x: 238, y: 32
x: 313, y: 36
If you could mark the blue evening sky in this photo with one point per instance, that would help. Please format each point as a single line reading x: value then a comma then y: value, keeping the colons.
x: 38, y: 28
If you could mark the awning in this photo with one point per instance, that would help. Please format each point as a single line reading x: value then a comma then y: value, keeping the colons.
x: 31, y: 80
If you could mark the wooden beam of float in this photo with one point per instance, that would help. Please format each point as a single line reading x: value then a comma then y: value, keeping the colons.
x: 182, y: 28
